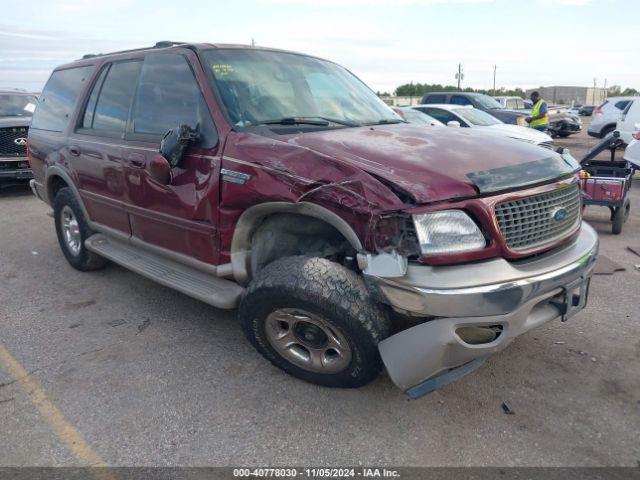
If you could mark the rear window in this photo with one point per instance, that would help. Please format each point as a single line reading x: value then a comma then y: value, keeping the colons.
x: 59, y: 97
x: 435, y: 99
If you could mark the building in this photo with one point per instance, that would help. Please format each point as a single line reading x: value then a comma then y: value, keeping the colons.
x: 571, y: 95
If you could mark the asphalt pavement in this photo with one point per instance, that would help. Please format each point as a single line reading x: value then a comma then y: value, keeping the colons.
x: 109, y: 367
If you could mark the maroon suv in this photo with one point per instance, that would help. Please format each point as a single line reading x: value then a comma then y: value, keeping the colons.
x: 280, y: 184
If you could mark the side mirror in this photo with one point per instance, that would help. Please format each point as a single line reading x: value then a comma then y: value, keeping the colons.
x: 175, y: 142
x: 160, y: 170
x: 453, y: 123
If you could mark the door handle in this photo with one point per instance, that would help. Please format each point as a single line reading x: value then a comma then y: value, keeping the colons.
x: 75, y: 151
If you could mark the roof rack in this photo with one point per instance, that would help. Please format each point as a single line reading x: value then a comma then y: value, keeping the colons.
x: 160, y: 44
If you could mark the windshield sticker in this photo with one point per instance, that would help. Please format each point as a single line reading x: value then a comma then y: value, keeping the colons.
x: 30, y: 107
x: 528, y: 173
x: 222, y: 69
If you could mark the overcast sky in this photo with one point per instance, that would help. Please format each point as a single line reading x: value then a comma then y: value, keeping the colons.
x: 384, y: 42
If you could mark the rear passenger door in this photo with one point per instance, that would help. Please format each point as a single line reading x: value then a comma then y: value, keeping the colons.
x: 181, y: 216
x: 96, y: 153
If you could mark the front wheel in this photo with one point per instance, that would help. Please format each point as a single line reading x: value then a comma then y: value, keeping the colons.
x: 314, y: 319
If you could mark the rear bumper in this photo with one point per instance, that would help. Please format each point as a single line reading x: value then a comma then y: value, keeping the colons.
x: 510, y: 297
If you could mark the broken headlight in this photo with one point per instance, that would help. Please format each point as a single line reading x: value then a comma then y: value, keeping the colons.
x: 447, y: 231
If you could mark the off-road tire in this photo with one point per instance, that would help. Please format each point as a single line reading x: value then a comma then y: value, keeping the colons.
x: 84, y: 260
x: 620, y: 217
x: 329, y: 290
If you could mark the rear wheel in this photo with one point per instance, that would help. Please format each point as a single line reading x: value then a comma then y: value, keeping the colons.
x: 313, y: 318
x: 607, y: 130
x: 73, y: 229
x: 620, y: 217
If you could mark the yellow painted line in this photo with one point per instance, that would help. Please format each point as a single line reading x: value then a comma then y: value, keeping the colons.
x: 66, y: 432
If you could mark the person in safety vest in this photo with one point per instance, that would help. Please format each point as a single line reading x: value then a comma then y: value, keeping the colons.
x: 539, y: 118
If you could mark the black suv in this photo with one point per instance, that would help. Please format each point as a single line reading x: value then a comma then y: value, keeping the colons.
x: 16, y: 109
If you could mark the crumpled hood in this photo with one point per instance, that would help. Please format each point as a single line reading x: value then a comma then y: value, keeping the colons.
x: 430, y: 164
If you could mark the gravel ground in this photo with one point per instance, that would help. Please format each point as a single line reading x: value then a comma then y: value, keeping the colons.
x: 148, y: 376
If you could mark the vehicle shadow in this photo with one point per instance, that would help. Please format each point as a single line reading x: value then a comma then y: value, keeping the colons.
x: 14, y: 190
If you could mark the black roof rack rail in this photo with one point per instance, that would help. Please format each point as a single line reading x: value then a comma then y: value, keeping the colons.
x: 161, y: 44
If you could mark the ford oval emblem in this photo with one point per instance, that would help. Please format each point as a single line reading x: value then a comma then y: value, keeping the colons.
x: 559, y: 214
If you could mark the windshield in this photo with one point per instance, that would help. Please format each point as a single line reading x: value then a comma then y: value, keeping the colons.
x: 476, y: 117
x: 485, y: 101
x: 259, y: 86
x: 17, y: 105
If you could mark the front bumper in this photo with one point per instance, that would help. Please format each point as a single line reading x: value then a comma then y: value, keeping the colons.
x: 15, y: 169
x: 512, y: 296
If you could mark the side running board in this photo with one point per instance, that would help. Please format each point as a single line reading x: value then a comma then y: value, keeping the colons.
x: 212, y: 290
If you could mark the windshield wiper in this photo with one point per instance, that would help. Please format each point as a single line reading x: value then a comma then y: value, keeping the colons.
x: 386, y: 121
x: 320, y: 121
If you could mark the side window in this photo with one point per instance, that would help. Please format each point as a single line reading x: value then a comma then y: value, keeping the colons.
x: 59, y: 97
x: 460, y: 100
x: 169, y: 96
x: 107, y: 109
x: 622, y: 104
x: 87, y: 119
x: 436, y: 99
x: 511, y: 103
x: 519, y: 104
x: 441, y: 115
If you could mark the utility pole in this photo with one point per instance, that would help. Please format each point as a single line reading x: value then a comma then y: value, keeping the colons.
x: 605, y: 89
x: 495, y: 67
x: 253, y: 42
x: 593, y: 95
x: 459, y: 75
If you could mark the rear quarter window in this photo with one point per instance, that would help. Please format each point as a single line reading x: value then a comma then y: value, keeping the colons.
x: 622, y: 104
x: 58, y: 98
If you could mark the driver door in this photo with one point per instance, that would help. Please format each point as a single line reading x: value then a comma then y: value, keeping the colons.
x: 180, y: 216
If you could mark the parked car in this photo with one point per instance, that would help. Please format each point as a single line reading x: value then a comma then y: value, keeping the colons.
x: 477, y: 100
x: 586, y: 110
x: 16, y: 108
x: 629, y: 122
x: 280, y: 184
x: 606, y: 116
x: 412, y: 115
x: 632, y: 152
x: 469, y: 117
x: 511, y: 103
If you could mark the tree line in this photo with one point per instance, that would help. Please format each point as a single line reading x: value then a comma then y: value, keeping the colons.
x: 419, y: 89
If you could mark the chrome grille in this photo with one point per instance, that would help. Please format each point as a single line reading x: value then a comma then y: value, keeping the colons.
x: 529, y: 222
x: 8, y: 146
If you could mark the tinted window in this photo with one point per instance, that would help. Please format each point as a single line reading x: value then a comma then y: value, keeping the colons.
x: 441, y: 115
x: 87, y: 119
x: 114, y: 99
x: 460, y: 100
x: 58, y: 98
x: 435, y: 99
x: 169, y: 96
x: 622, y: 104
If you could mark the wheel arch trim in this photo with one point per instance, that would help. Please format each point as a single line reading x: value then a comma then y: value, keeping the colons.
x: 253, y: 217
